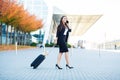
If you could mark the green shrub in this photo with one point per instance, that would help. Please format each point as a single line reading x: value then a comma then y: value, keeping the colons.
x: 56, y: 45
x: 49, y: 45
x: 46, y: 45
x: 68, y: 45
x: 33, y: 44
x: 52, y: 44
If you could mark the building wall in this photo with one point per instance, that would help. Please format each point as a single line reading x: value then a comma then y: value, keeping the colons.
x: 43, y: 11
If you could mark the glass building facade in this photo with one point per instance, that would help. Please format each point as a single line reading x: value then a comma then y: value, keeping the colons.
x: 36, y: 7
x: 12, y: 36
x: 40, y: 9
x: 4, y: 34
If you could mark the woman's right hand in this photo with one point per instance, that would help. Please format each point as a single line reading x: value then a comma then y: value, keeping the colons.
x: 55, y: 41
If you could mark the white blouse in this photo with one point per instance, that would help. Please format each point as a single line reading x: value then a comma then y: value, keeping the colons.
x: 65, y: 32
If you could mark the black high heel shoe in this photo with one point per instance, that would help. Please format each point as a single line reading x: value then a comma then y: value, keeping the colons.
x: 57, y: 66
x: 67, y: 66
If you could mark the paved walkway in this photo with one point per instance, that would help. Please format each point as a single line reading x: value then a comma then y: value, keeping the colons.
x: 88, y: 65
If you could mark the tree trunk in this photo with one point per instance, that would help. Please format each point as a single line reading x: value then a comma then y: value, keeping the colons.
x: 24, y: 38
x: 11, y: 35
x: 18, y: 37
x: 14, y: 36
x: 0, y: 33
x: 7, y: 35
x: 21, y: 38
x: 29, y: 39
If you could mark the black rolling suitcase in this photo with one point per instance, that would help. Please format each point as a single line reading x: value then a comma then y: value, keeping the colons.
x: 38, y: 61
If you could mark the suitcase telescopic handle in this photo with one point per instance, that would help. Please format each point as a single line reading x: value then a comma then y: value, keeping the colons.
x: 44, y: 51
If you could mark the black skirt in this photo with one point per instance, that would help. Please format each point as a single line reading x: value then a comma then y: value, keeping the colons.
x: 63, y: 47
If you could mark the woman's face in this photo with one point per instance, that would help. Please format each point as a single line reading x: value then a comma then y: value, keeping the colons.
x: 64, y: 19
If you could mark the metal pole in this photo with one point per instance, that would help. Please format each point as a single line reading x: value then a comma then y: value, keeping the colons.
x: 16, y: 47
x: 44, y: 48
x: 99, y: 51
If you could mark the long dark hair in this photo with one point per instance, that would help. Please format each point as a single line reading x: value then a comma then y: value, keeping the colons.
x: 60, y: 26
x: 66, y: 24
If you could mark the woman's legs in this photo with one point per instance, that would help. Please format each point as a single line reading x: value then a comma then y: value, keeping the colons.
x: 59, y: 58
x: 67, y: 58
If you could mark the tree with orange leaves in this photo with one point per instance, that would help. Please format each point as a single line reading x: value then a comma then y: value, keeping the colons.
x: 8, y: 11
x: 13, y: 14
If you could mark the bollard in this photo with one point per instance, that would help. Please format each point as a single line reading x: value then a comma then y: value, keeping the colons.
x: 16, y: 47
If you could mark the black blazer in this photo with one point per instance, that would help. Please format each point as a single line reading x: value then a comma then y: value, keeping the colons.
x: 69, y: 30
x: 62, y: 39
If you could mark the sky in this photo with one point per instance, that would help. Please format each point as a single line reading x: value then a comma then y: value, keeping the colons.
x: 106, y: 28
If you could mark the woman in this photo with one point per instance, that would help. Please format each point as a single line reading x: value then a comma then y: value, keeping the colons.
x: 62, y: 36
